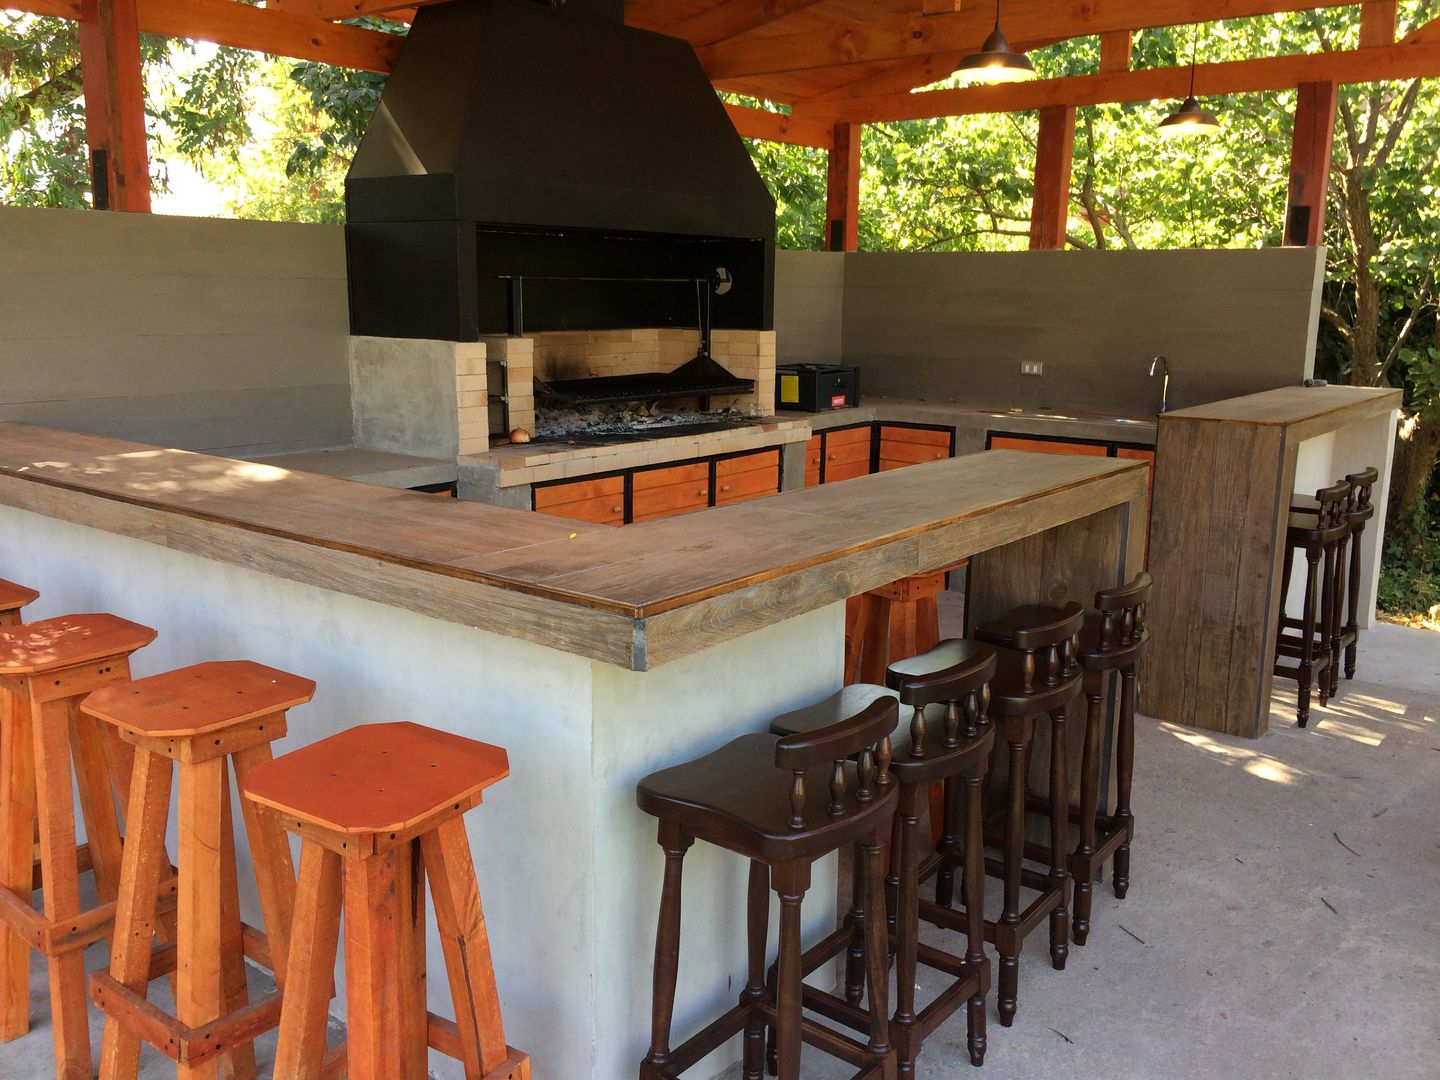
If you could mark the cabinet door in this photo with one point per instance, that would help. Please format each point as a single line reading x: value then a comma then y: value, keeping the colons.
x: 1048, y: 446
x: 847, y: 453
x: 814, y: 449
x: 901, y: 446
x: 675, y: 489
x: 601, y: 501
x: 750, y: 476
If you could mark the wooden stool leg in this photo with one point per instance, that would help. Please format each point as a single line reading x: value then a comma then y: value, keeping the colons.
x: 855, y: 919
x: 1124, y: 776
x: 907, y: 929
x: 17, y: 847
x: 135, y: 923
x: 667, y: 950
x: 1327, y: 618
x: 239, y: 1063
x: 791, y: 881
x: 1337, y: 613
x: 975, y: 905
x: 854, y: 637
x: 757, y: 919
x: 466, y: 944
x: 877, y: 950
x: 1352, y: 605
x: 927, y: 624
x: 1083, y: 869
x: 199, y: 998
x: 1059, y: 839
x: 375, y: 1033
x: 274, y: 865
x: 1307, y: 644
x: 97, y: 802
x: 69, y: 1013
x: 310, y: 965
x: 475, y: 952
x: 1006, y: 942
x: 949, y: 842
x: 875, y: 651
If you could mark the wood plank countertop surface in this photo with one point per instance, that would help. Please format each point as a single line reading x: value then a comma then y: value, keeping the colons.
x: 635, y: 596
x: 1304, y: 411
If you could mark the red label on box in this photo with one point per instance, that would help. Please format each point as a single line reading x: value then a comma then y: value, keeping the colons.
x: 837, y: 401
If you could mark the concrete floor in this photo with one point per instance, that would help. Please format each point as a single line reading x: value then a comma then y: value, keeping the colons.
x: 1278, y: 923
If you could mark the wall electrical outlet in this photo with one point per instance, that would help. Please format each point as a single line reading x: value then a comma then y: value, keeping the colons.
x: 1032, y: 367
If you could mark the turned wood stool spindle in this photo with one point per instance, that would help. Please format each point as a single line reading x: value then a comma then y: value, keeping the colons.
x: 207, y: 720
x: 782, y: 804
x: 1310, y: 640
x: 947, y: 743
x: 1037, y: 674
x: 13, y: 597
x: 50, y: 666
x: 379, y: 809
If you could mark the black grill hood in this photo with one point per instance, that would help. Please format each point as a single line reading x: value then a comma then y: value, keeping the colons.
x: 517, y: 139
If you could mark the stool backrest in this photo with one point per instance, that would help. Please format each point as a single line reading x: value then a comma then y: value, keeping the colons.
x: 865, y: 735
x: 1334, y: 504
x: 1057, y: 640
x: 1360, y: 484
x: 964, y: 686
x: 1122, y: 612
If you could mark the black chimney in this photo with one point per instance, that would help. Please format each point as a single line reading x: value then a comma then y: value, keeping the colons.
x: 553, y: 144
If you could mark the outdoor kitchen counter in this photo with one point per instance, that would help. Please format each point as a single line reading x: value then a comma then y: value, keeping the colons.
x: 732, y: 614
x: 635, y: 597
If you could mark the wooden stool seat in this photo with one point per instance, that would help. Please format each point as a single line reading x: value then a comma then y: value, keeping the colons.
x: 41, y: 648
x: 380, y: 778
x: 199, y: 700
x: 13, y: 597
x: 54, y: 757
x: 202, y: 722
x: 782, y: 804
x: 379, y: 810
x: 1092, y: 649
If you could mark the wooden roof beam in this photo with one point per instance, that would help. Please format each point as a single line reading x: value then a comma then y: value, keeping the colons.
x: 1377, y: 23
x: 777, y: 127
x: 1028, y: 27
x: 331, y: 10
x: 731, y: 18
x: 226, y: 22
x: 1399, y: 61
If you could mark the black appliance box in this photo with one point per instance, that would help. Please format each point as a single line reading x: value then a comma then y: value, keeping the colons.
x: 816, y: 387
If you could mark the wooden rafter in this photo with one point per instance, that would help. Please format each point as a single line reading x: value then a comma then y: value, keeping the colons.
x: 1401, y: 61
x: 731, y: 18
x: 1377, y: 23
x: 1028, y: 27
x: 1429, y: 34
x: 777, y: 127
x: 226, y: 22
x: 330, y: 10
x: 1115, y: 48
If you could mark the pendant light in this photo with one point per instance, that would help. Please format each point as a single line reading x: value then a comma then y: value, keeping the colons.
x: 996, y: 62
x: 1190, y: 119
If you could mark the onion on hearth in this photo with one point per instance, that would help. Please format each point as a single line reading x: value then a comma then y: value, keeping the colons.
x: 519, y: 435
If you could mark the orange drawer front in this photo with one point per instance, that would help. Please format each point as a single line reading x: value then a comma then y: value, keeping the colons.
x: 601, y: 501
x: 657, y: 493
x: 1048, y: 446
x: 812, y: 461
x: 759, y: 476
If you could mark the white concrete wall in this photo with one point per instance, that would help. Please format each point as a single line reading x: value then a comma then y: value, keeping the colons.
x: 225, y: 336
x: 569, y: 868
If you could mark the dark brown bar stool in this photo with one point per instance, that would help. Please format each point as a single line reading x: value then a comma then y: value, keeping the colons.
x: 201, y: 722
x: 380, y: 810
x: 782, y: 804
x: 1359, y: 510
x: 1036, y: 675
x: 50, y: 666
x: 951, y: 746
x: 1309, y: 640
x: 13, y: 597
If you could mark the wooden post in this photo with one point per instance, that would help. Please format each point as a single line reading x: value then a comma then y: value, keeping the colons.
x: 114, y: 104
x: 1377, y: 23
x: 1310, y: 164
x: 1115, y: 52
x: 842, y: 191
x: 1050, y: 205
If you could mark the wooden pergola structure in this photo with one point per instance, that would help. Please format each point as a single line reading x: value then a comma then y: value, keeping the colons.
x: 837, y: 65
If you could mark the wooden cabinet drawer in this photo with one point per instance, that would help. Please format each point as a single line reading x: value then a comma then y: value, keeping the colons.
x: 846, y: 451
x: 748, y: 477
x: 813, y: 451
x: 1048, y: 446
x: 677, y: 489
x: 601, y: 501
x: 901, y: 446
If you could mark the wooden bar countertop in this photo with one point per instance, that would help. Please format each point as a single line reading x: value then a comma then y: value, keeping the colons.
x: 636, y: 596
x: 1302, y: 411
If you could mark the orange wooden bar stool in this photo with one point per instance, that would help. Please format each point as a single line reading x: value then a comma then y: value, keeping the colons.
x: 362, y: 803
x: 205, y: 719
x: 13, y: 597
x: 50, y: 666
x: 894, y: 622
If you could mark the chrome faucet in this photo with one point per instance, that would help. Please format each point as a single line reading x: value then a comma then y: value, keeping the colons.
x: 1164, y: 365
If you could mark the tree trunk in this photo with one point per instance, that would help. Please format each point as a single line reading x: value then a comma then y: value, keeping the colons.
x: 1364, y: 348
x: 1416, y: 451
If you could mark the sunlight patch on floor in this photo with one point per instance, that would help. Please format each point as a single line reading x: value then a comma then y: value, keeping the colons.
x: 1256, y: 764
